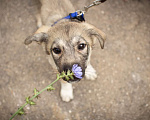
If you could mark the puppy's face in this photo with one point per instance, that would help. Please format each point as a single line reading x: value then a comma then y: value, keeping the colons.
x: 66, y: 53
x: 69, y: 43
x: 68, y: 47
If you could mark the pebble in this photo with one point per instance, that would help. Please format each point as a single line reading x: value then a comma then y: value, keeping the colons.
x: 43, y: 82
x: 103, y: 60
x: 146, y: 105
x: 138, y: 58
x: 4, y: 101
x: 90, y: 91
x: 28, y: 107
x: 94, y: 110
x: 102, y: 12
x: 70, y: 111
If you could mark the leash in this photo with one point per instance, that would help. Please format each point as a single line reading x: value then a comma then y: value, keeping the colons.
x: 79, y: 14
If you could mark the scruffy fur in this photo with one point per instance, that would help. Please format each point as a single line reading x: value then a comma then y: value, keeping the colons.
x: 67, y: 36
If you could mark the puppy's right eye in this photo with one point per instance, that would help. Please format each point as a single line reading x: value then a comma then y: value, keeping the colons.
x: 57, y: 50
x: 81, y: 46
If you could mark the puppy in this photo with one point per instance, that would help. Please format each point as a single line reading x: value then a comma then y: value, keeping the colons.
x: 66, y: 43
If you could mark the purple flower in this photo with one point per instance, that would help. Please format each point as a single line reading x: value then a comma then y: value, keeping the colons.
x: 77, y: 70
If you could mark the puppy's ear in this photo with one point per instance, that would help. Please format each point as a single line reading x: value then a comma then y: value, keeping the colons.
x: 39, y: 36
x: 96, y: 34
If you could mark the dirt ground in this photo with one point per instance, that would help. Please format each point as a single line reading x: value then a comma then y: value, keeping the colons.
x: 122, y: 89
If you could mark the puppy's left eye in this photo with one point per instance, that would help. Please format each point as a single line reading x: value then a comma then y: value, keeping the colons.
x: 81, y: 46
x: 57, y: 50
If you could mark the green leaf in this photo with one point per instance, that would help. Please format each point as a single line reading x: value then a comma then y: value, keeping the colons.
x: 30, y: 102
x: 63, y: 74
x: 50, y: 88
x: 71, y: 77
x: 36, y: 92
x: 68, y: 72
x: 58, y: 76
x: 27, y: 99
x: 21, y: 112
x: 67, y: 78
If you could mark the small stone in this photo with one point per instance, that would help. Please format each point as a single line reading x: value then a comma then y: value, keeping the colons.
x: 94, y: 111
x: 4, y: 101
x: 138, y: 58
x: 28, y: 107
x: 102, y: 12
x: 43, y: 82
x: 70, y: 111
x: 97, y: 94
x: 103, y: 60
x: 90, y: 91
x: 146, y: 105
x: 133, y: 76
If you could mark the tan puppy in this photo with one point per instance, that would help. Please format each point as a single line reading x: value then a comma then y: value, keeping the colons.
x: 66, y: 43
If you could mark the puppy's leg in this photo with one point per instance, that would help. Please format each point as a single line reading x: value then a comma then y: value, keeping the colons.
x: 66, y: 91
x: 90, y: 72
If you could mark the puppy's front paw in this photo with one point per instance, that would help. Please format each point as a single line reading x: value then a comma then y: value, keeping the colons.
x: 90, y: 73
x: 66, y: 95
x: 66, y: 91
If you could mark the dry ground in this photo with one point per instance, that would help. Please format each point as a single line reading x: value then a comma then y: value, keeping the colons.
x: 122, y: 89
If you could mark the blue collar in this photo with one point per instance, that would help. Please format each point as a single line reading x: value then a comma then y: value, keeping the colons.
x: 71, y: 16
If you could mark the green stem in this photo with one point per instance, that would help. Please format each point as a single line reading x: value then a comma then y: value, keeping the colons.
x: 18, y: 111
x: 35, y: 96
x: 45, y: 88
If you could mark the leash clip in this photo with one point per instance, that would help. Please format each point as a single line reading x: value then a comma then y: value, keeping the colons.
x: 80, y: 12
x: 79, y: 15
x: 95, y: 3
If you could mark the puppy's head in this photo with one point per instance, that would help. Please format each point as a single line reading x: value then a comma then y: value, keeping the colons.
x: 69, y: 43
